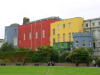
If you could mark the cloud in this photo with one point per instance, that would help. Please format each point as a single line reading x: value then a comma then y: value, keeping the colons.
x: 13, y: 11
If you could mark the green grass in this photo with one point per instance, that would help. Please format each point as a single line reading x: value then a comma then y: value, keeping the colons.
x: 45, y: 70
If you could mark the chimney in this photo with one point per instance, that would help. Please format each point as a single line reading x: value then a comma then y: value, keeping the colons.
x: 26, y: 20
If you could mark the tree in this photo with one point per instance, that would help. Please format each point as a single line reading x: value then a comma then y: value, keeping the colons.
x: 80, y: 55
x: 45, y: 54
x: 63, y: 57
x: 7, y: 48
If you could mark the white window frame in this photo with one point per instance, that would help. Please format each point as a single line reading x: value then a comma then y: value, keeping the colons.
x: 36, y: 35
x: 43, y: 34
x: 58, y: 26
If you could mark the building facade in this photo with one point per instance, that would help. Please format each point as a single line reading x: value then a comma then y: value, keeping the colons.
x: 11, y: 34
x: 61, y: 31
x: 62, y: 46
x: 82, y: 40
x: 1, y: 42
x: 36, y: 33
x: 93, y: 26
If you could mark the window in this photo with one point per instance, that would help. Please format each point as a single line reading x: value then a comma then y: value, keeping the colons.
x: 30, y: 35
x: 84, y: 43
x: 86, y: 24
x: 15, y: 30
x: 53, y: 31
x: 77, y: 44
x: 99, y: 31
x: 43, y: 34
x: 64, y: 37
x: 36, y: 35
x: 90, y: 44
x: 69, y: 36
x: 58, y: 27
x: 58, y: 37
x: 70, y: 24
x: 87, y: 31
x: 24, y: 36
x: 53, y: 40
x: 64, y: 25
x: 99, y: 23
x: 93, y: 24
x: 15, y: 41
x: 93, y: 31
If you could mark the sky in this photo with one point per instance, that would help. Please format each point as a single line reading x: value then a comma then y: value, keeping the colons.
x: 13, y: 11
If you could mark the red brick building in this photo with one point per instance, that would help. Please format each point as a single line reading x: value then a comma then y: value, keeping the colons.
x: 36, y: 33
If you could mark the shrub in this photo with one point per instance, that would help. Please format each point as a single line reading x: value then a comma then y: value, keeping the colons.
x: 45, y: 54
x: 98, y: 62
x: 80, y: 55
x: 63, y: 56
x: 7, y: 48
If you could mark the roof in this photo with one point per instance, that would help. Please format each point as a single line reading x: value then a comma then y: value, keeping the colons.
x: 46, y: 19
x: 93, y: 19
x: 14, y: 24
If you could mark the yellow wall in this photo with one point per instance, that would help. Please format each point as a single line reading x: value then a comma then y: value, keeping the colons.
x: 71, y: 25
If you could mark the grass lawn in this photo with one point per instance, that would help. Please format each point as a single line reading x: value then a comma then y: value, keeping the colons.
x: 45, y: 70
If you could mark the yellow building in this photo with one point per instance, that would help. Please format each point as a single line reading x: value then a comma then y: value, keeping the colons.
x: 61, y: 31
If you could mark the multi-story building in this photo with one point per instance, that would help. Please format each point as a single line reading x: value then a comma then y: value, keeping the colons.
x: 61, y: 31
x: 36, y: 33
x: 11, y: 34
x: 1, y: 42
x: 82, y: 40
x: 93, y: 26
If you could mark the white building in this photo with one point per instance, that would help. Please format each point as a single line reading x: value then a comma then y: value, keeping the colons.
x: 1, y: 42
x: 93, y: 26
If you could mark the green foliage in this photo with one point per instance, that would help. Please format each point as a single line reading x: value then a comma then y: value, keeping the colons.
x: 80, y: 55
x: 90, y: 51
x: 20, y: 55
x: 98, y: 62
x: 63, y: 57
x: 7, y: 48
x: 45, y: 54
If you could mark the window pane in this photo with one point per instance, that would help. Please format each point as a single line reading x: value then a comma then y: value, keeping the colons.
x: 58, y: 27
x: 64, y: 25
x: 86, y: 24
x: 58, y: 37
x: 93, y: 24
x: 99, y: 23
x: 36, y: 35
x: 53, y: 31
x: 64, y: 37
x: 43, y: 34
x: 24, y: 36
x: 54, y: 40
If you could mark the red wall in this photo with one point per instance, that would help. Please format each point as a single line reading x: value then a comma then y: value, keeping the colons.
x: 38, y: 26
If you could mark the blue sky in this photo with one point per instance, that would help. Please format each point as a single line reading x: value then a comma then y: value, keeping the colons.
x: 13, y: 11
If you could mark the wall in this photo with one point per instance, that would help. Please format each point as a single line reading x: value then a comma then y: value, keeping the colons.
x: 62, y: 46
x: 71, y: 25
x: 95, y: 29
x: 40, y: 33
x: 83, y: 38
x: 11, y: 34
